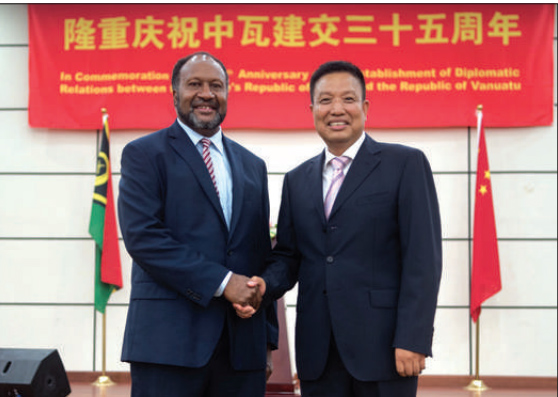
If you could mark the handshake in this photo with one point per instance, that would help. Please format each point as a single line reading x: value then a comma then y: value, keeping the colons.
x: 245, y: 294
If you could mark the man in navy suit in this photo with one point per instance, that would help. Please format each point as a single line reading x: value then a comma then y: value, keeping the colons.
x: 194, y: 213
x: 367, y: 259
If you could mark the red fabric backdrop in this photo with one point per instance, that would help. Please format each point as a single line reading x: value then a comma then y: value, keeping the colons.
x: 426, y: 65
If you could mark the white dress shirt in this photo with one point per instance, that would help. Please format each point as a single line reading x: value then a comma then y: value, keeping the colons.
x: 327, y: 173
x: 221, y: 166
x: 223, y: 177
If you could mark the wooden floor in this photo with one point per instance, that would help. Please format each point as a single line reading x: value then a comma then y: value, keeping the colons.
x: 123, y: 390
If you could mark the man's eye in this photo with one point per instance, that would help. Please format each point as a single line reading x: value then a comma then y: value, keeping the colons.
x: 325, y: 100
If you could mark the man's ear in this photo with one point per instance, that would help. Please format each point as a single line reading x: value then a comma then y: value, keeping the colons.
x: 365, y: 107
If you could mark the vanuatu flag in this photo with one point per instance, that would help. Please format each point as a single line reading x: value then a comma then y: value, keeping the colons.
x: 102, y: 227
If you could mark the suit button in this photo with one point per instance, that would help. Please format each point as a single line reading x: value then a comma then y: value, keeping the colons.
x: 325, y: 291
x: 329, y: 259
x: 229, y: 253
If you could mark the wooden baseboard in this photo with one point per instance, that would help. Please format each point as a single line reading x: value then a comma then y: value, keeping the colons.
x: 275, y: 388
x: 494, y: 382
x: 90, y: 377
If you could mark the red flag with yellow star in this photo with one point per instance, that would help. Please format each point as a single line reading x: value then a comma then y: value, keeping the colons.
x: 486, y: 279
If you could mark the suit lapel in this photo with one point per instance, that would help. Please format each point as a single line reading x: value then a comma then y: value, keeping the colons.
x: 238, y: 181
x: 366, y: 160
x: 185, y: 148
x: 315, y: 184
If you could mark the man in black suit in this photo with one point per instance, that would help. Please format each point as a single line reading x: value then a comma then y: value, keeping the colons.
x: 194, y: 213
x: 359, y: 230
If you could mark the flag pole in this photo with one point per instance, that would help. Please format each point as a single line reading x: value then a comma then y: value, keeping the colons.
x: 104, y: 380
x: 477, y: 385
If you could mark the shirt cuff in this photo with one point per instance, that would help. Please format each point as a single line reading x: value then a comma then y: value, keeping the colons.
x: 223, y: 285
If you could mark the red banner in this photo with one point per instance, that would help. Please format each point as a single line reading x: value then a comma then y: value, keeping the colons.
x: 426, y: 65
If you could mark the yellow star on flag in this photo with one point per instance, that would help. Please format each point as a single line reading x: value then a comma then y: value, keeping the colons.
x: 483, y: 190
x: 487, y: 174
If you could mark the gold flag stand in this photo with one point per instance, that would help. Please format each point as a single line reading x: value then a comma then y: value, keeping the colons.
x: 477, y: 385
x: 104, y: 380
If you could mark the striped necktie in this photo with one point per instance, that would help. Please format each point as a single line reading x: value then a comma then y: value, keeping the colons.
x: 208, y: 163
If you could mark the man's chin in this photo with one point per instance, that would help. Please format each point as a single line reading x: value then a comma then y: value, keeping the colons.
x: 196, y: 123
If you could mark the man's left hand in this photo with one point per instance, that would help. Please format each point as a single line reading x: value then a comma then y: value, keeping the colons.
x: 409, y: 363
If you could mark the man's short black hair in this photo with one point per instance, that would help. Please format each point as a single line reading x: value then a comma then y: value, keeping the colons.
x: 334, y: 67
x: 178, y: 66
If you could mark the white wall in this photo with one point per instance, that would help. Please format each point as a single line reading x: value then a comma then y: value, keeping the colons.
x: 47, y: 256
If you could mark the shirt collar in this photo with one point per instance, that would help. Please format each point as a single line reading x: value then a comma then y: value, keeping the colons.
x: 350, y: 152
x: 195, y: 137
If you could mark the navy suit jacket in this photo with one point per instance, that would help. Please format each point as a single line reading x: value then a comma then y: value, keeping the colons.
x: 175, y: 231
x: 370, y: 274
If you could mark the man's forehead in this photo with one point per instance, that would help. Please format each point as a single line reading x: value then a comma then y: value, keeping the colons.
x: 336, y: 80
x: 337, y: 75
x: 196, y: 62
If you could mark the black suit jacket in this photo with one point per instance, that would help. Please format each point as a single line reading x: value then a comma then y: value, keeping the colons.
x: 370, y: 274
x: 174, y: 229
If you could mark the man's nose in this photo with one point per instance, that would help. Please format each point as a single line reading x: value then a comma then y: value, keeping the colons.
x: 205, y: 91
x: 337, y: 106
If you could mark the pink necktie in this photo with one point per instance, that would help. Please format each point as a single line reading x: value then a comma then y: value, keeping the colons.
x: 209, y: 164
x: 338, y: 163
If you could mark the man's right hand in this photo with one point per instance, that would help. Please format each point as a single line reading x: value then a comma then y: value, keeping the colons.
x: 243, y: 292
x: 247, y: 311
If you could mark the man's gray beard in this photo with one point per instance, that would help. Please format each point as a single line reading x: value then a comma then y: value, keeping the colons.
x: 195, y: 124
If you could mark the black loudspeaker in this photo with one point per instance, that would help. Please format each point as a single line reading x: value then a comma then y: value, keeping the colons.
x: 32, y: 373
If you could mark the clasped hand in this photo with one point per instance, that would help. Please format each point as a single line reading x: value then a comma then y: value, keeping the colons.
x: 245, y: 294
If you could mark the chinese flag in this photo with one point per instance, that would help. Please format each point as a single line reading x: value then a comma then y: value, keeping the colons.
x: 486, y: 264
